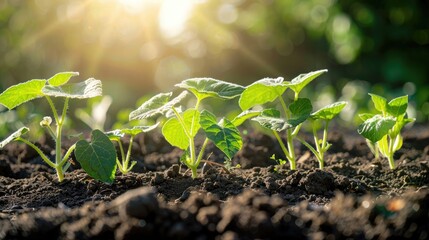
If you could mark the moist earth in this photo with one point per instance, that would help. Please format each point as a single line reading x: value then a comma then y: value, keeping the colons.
x: 354, y: 197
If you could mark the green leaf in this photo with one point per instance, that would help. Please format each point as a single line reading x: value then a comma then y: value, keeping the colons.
x: 18, y: 133
x: 400, y: 123
x: 298, y: 83
x: 398, y: 106
x: 366, y: 116
x: 158, y: 104
x: 97, y: 158
x: 271, y: 112
x: 88, y: 89
x: 273, y: 123
x: 300, y: 111
x: 174, y: 131
x: 61, y: 78
x: 242, y: 117
x: 209, y: 87
x: 262, y: 91
x: 21, y: 93
x: 329, y: 112
x: 376, y: 127
x: 224, y: 135
x: 380, y: 103
x: 119, y: 133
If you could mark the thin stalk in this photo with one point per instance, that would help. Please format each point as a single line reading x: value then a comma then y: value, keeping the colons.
x: 289, y: 141
x: 42, y: 155
x: 285, y: 151
x: 390, y: 154
x: 67, y: 155
x: 127, y: 159
x: 200, y: 155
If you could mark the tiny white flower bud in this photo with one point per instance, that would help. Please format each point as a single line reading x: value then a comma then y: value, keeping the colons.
x: 46, y: 121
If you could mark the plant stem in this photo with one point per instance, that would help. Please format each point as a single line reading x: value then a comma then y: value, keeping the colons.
x: 390, y: 154
x: 289, y: 157
x: 42, y: 155
x: 127, y: 159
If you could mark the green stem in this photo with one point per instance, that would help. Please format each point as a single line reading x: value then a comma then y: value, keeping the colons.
x: 285, y: 110
x: 127, y: 159
x: 67, y: 155
x: 289, y: 141
x: 42, y: 155
x: 200, y: 155
x: 285, y: 151
x: 390, y: 154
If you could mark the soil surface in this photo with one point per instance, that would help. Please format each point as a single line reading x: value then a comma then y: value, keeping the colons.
x: 354, y: 197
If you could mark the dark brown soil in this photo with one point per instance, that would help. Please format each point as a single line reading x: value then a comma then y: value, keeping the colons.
x: 354, y: 197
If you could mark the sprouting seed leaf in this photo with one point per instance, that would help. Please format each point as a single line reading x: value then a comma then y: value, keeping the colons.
x: 21, y: 93
x: 158, y: 104
x: 376, y: 127
x: 380, y: 103
x: 174, y: 132
x: 209, y: 87
x: 273, y: 123
x: 398, y: 106
x: 88, y: 89
x: 242, y: 117
x: 61, y: 78
x: 329, y: 112
x: 365, y: 116
x: 262, y: 91
x: 224, y: 135
x: 97, y: 158
x: 18, y: 133
x: 299, y: 82
x: 300, y: 111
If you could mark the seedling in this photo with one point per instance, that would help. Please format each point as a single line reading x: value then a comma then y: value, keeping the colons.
x: 325, y: 114
x: 124, y: 164
x: 272, y: 89
x: 181, y: 128
x: 383, y: 130
x: 56, y: 86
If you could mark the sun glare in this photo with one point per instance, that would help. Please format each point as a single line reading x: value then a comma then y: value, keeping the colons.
x: 173, y: 16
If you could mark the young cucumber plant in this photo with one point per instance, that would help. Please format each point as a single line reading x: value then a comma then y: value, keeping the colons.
x: 325, y: 115
x: 124, y: 164
x: 292, y: 116
x: 56, y: 86
x: 383, y: 130
x: 181, y: 128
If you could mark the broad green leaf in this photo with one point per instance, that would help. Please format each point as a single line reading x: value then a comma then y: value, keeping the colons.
x: 273, y: 123
x: 88, y: 89
x: 225, y: 135
x: 398, y: 106
x: 209, y: 87
x: 97, y: 158
x: 242, y: 117
x: 21, y: 93
x: 366, y: 116
x: 158, y: 104
x: 329, y: 112
x: 380, y: 103
x: 298, y: 83
x: 174, y: 132
x: 18, y: 133
x: 61, y: 78
x: 376, y: 127
x: 300, y: 111
x: 262, y: 91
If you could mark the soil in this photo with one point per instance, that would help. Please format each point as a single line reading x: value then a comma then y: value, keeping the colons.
x: 354, y: 197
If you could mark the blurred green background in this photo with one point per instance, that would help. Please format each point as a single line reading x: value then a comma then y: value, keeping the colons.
x: 142, y: 47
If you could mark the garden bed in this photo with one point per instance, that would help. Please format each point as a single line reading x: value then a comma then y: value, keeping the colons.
x: 354, y: 197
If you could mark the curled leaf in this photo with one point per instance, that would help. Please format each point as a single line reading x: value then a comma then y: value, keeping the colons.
x: 88, y: 89
x: 18, y: 133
